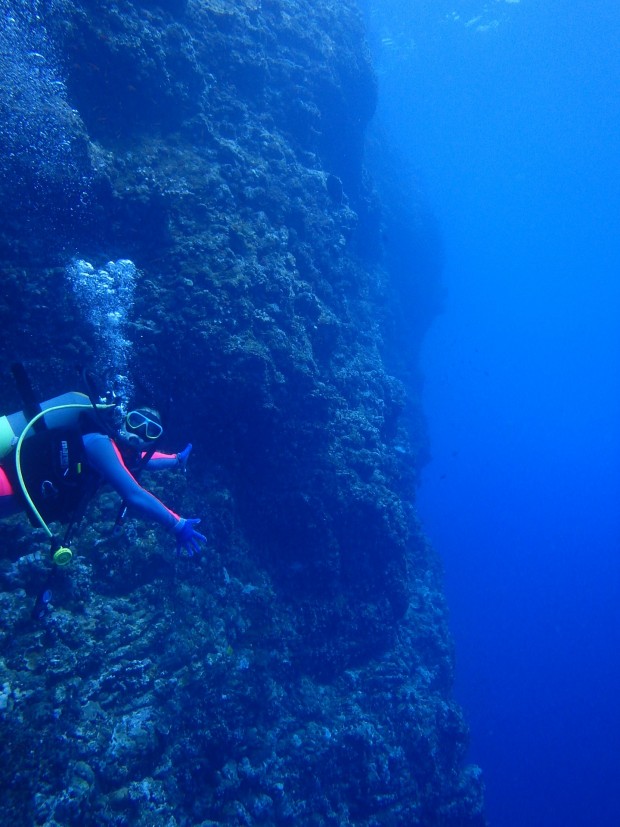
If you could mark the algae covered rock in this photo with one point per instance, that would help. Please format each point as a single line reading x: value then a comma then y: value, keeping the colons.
x: 300, y: 671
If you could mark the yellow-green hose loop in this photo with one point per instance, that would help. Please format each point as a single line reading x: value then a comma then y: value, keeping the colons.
x: 18, y: 451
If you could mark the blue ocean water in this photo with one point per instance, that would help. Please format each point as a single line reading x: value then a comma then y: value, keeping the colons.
x: 510, y: 113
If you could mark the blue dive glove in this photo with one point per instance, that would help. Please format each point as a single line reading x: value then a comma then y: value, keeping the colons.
x: 183, y: 456
x: 188, y: 539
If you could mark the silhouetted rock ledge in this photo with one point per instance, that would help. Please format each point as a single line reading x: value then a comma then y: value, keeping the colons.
x: 300, y: 673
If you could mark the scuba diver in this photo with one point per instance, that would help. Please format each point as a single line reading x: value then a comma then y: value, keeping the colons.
x: 54, y: 456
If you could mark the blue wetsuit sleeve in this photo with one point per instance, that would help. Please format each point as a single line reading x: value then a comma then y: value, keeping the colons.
x: 104, y: 457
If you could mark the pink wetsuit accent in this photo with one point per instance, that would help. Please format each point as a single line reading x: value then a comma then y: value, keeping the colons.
x: 9, y: 503
x: 6, y: 489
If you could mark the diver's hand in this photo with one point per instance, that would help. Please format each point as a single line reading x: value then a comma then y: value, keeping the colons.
x: 188, y: 539
x: 183, y: 456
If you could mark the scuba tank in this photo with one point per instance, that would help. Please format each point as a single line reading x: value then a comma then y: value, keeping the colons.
x: 61, y: 412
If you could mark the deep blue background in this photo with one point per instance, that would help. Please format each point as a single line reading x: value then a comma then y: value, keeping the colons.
x: 513, y: 122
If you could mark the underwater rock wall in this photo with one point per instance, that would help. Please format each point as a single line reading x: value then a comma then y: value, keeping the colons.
x: 300, y: 673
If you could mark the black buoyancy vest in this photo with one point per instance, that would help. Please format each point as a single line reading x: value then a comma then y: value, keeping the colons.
x: 54, y: 473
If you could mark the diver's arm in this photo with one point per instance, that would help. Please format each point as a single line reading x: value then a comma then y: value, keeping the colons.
x: 104, y: 457
x: 159, y: 460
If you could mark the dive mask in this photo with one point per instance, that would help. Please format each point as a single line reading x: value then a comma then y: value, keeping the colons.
x: 144, y: 424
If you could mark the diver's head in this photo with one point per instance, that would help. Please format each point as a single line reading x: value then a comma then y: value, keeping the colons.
x: 141, y: 428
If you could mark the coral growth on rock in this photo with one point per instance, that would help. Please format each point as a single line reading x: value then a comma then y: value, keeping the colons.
x: 300, y: 672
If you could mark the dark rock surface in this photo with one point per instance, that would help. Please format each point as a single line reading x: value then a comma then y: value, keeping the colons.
x: 301, y: 672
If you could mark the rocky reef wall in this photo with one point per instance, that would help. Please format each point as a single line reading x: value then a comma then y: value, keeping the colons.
x: 300, y: 672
